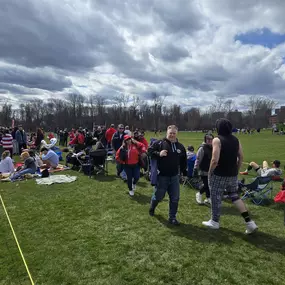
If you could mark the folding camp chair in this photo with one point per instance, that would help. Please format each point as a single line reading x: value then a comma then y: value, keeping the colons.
x: 258, y: 190
x: 190, y: 180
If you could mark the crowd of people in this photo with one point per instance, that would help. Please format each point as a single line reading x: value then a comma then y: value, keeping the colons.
x: 217, y: 162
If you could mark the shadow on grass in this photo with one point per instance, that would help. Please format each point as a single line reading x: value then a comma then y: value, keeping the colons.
x: 196, y: 233
x: 142, y: 183
x: 141, y: 198
x: 261, y: 240
x: 104, y: 178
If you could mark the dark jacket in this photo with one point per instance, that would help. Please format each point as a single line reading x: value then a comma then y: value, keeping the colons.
x: 176, y: 160
x: 117, y: 140
x: 21, y: 137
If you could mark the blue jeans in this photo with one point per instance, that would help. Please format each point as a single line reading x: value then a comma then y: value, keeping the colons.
x: 22, y: 172
x: 169, y: 184
x: 133, y: 175
x: 120, y: 170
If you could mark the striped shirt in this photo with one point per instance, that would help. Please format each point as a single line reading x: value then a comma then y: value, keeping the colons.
x: 7, y: 141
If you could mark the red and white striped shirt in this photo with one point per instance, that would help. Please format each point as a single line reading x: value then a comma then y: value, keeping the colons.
x: 7, y: 141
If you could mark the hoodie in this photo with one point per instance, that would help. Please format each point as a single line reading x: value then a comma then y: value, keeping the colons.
x: 176, y: 160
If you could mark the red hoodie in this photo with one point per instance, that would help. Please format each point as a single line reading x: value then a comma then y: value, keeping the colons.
x: 109, y: 134
x: 144, y: 141
x: 134, y: 151
x: 79, y: 139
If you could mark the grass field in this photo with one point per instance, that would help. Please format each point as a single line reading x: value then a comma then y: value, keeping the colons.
x: 92, y: 232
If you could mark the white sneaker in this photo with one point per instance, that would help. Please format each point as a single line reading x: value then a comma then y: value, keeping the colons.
x: 211, y: 225
x: 208, y: 201
x: 134, y: 187
x: 132, y: 193
x: 251, y: 227
x: 199, y: 198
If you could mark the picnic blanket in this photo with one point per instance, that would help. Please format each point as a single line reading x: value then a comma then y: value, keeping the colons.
x: 56, y: 179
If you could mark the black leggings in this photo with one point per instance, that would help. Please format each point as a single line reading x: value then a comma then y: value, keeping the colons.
x: 205, y: 188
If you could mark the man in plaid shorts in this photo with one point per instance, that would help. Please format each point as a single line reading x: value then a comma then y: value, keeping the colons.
x: 226, y: 161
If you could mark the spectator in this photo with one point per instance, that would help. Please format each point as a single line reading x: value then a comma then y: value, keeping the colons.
x: 171, y: 159
x: 129, y: 155
x: 98, y: 134
x: 39, y: 138
x: 264, y: 171
x: 127, y: 131
x: 7, y: 142
x: 109, y: 135
x: 202, y: 164
x: 29, y: 167
x: 49, y: 158
x: 139, y: 136
x: 78, y: 141
x: 6, y: 164
x: 226, y: 160
x: 21, y: 139
x: 117, y: 142
x: 65, y: 137
x: 190, y: 152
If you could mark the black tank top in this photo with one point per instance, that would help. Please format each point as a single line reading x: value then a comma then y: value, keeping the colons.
x: 227, y: 165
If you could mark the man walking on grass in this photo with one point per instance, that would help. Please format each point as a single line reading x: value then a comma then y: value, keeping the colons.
x: 171, y: 161
x: 226, y: 161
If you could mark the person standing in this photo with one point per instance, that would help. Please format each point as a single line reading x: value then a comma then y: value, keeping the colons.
x: 7, y: 142
x: 109, y: 135
x: 21, y: 138
x: 227, y: 157
x: 171, y: 161
x: 117, y: 142
x: 129, y: 155
x: 202, y: 164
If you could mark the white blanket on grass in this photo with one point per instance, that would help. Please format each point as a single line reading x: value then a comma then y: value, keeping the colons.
x: 56, y: 179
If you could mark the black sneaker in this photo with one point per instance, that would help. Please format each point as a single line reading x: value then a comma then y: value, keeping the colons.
x: 174, y: 222
x: 151, y: 211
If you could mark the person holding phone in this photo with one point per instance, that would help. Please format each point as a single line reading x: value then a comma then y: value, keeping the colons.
x: 129, y: 155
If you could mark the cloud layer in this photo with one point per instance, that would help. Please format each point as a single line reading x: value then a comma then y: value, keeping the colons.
x: 186, y: 49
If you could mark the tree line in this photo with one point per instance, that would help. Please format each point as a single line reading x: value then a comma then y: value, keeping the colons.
x: 76, y: 110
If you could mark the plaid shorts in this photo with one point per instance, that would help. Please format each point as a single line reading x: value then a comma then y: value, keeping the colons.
x: 222, y: 183
x: 217, y: 185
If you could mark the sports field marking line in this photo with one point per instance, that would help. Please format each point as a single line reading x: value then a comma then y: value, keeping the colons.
x: 18, y: 245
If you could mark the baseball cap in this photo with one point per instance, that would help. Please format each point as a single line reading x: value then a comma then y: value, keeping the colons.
x: 127, y: 138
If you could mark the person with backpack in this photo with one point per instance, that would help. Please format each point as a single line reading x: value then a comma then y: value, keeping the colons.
x: 129, y: 156
x: 202, y: 164
x: 171, y: 162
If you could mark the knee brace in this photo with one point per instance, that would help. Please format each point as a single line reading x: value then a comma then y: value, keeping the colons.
x: 234, y: 197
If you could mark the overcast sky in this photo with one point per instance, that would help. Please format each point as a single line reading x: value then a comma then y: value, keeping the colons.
x: 192, y: 50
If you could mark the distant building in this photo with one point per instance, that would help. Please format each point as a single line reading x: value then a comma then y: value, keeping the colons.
x: 273, y: 119
x: 281, y: 115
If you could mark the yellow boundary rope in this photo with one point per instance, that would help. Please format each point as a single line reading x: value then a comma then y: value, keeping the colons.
x: 18, y: 245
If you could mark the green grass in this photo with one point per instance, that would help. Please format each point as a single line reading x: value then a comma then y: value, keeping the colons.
x: 92, y: 232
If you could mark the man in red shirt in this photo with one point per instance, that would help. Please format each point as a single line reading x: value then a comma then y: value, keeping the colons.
x: 109, y: 135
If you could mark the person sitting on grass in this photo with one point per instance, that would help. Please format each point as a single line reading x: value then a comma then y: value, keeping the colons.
x: 6, y: 164
x: 49, y: 158
x: 264, y: 171
x: 29, y: 167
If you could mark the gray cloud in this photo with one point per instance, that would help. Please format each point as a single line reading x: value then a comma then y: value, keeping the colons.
x: 183, y: 48
x: 33, y: 78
